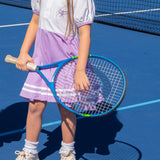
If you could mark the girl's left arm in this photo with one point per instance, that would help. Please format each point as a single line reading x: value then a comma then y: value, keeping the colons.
x: 81, y: 79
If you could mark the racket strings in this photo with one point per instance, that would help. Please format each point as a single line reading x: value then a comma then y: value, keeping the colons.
x: 114, y: 76
x: 106, y: 87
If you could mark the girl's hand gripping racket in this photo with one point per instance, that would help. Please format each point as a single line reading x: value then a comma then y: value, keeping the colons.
x: 107, y: 85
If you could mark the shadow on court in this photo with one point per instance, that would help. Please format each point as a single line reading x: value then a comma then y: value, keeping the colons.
x: 13, y: 118
x: 93, y: 135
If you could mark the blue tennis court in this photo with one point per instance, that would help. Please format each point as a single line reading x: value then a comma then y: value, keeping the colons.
x: 130, y: 133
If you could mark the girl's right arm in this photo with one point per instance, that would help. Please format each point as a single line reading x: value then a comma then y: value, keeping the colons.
x: 29, y: 39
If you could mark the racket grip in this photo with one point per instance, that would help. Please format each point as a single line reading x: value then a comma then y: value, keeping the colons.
x: 11, y: 59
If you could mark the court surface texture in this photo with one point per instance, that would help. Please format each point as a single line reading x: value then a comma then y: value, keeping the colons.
x: 130, y: 133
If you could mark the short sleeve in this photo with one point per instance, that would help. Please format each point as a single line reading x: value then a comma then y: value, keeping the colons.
x: 84, y: 12
x: 35, y: 4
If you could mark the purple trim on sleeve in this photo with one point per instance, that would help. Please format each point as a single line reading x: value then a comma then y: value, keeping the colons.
x: 36, y: 13
x: 84, y: 23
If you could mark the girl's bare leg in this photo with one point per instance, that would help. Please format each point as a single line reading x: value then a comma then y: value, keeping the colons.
x: 68, y: 124
x: 34, y: 120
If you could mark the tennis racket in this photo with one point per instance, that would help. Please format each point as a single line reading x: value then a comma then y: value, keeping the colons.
x: 107, y: 85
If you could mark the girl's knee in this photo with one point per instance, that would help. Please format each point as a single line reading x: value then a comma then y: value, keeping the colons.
x: 36, y: 107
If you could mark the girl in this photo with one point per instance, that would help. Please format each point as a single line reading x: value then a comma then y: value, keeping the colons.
x: 60, y: 29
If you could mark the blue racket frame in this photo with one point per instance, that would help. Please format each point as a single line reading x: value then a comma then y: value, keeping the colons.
x: 60, y: 64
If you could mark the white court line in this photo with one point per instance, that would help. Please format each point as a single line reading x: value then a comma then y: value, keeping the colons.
x: 59, y: 121
x: 130, y: 12
x: 14, y: 25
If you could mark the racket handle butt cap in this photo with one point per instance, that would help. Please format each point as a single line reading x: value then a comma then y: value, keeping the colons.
x: 10, y: 59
